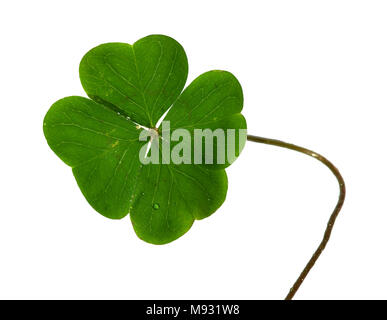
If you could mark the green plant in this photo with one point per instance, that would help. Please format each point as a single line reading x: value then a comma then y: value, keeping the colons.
x: 130, y: 88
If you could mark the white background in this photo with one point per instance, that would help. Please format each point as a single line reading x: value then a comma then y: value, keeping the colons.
x: 314, y: 73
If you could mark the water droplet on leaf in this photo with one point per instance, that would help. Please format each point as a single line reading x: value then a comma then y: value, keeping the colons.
x: 156, y: 206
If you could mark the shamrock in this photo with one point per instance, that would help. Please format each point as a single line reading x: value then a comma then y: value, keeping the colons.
x: 130, y: 88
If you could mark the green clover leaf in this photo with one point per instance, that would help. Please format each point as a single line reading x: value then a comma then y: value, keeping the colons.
x: 130, y: 88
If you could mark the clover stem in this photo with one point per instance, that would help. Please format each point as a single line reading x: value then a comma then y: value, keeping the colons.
x: 333, y: 216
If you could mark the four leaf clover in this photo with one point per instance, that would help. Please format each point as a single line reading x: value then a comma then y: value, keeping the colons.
x: 130, y: 88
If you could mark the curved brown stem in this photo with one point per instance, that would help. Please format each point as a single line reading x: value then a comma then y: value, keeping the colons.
x: 333, y: 216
